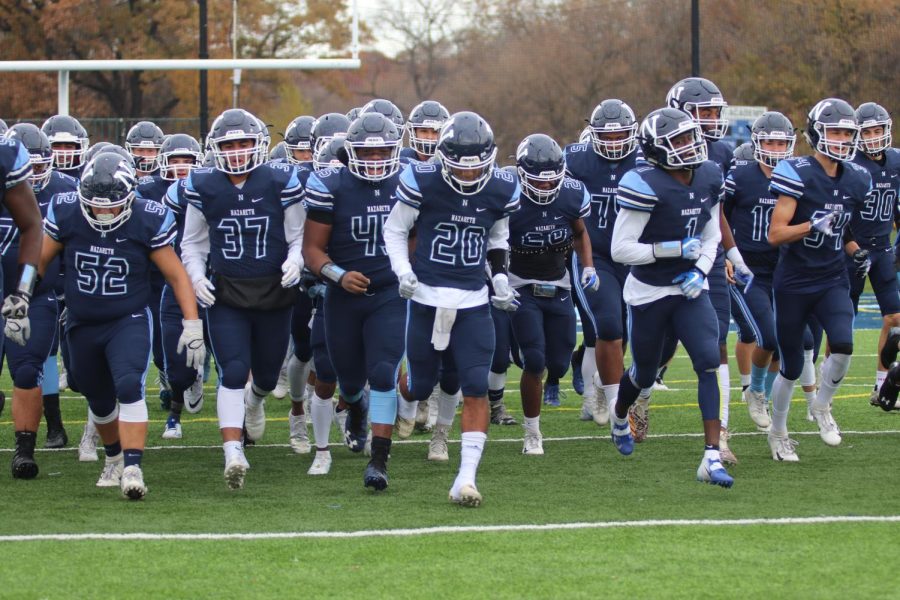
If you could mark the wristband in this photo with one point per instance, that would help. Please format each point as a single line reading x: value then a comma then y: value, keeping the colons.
x: 333, y: 272
x: 667, y: 249
x: 28, y: 279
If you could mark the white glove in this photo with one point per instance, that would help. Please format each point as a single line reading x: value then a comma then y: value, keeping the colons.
x: 192, y: 344
x: 15, y: 306
x: 18, y: 330
x: 408, y: 284
x: 291, y: 271
x: 504, y: 296
x: 824, y: 223
x: 203, y: 289
x: 742, y: 273
x: 589, y: 279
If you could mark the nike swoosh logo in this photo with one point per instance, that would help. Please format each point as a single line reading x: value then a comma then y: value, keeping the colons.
x: 137, y: 316
x: 563, y: 298
x: 254, y: 200
x: 557, y: 218
x: 192, y: 406
x: 480, y: 209
x: 833, y: 382
x: 120, y: 240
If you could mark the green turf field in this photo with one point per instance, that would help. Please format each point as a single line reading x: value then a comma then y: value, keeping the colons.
x: 483, y: 552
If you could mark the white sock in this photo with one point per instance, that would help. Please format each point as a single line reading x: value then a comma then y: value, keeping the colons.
x: 470, y: 455
x: 808, y: 375
x: 645, y: 393
x: 588, y: 368
x: 834, y: 370
x: 880, y: 376
x: 230, y: 407
x: 810, y: 397
x: 257, y: 395
x: 322, y: 412
x: 496, y: 381
x: 298, y: 373
x: 405, y: 409
x: 745, y: 380
x: 231, y: 448
x: 782, y: 391
x: 446, y: 407
x: 532, y: 424
x: 612, y: 393
x: 724, y: 394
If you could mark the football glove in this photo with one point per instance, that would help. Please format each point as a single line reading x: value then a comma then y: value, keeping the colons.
x: 589, y: 279
x: 824, y: 223
x: 290, y: 270
x: 192, y: 344
x: 504, y: 296
x: 691, y: 283
x: 742, y: 273
x: 862, y: 262
x: 18, y: 330
x: 203, y: 289
x: 408, y: 284
x: 690, y: 248
x: 16, y: 305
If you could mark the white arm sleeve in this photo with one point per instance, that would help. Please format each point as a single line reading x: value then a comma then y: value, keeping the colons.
x: 709, y: 240
x: 396, y: 236
x: 626, y: 249
x: 294, y: 220
x: 195, y: 243
x: 498, y: 237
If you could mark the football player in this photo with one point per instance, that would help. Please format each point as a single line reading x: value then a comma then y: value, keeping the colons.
x: 246, y: 219
x: 460, y: 208
x: 548, y: 225
x: 298, y: 140
x: 817, y: 198
x: 423, y: 126
x: 69, y: 141
x: 143, y: 142
x: 109, y: 239
x: 668, y: 231
x: 364, y: 314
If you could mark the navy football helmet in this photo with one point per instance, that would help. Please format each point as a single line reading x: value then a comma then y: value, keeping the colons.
x: 108, y: 182
x: 832, y: 114
x: 278, y: 152
x: 467, y: 152
x: 331, y: 154
x: 38, y: 145
x: 744, y: 152
x: 772, y: 125
x: 237, y: 124
x: 353, y: 113
x: 298, y: 137
x: 373, y: 131
x: 671, y: 139
x: 145, y: 135
x: 427, y: 115
x: 66, y: 130
x: 326, y: 127
x: 541, y: 166
x: 613, y: 116
x: 178, y: 145
x: 694, y: 93
x: 387, y: 108
x: 870, y: 115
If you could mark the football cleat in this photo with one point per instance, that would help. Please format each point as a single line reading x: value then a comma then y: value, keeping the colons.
x: 193, y: 396
x: 551, y: 395
x: 321, y: 464
x: 165, y: 392
x: 499, y: 415
x: 467, y: 496
x: 534, y: 444
x: 601, y: 408
x: 621, y: 437
x: 437, y: 447
x: 577, y: 376
x: 828, y: 429
x: 422, y: 423
x: 356, y: 428
x: 299, y: 436
x: 111, y: 476
x: 282, y: 386
x: 375, y: 476
x: 340, y: 419
x: 23, y: 464
x: 404, y: 427
x: 87, y: 447
x: 758, y: 407
x: 725, y: 452
x: 56, y: 438
x: 873, y: 398
x: 172, y: 431
x: 886, y: 397
x: 235, y: 469
x: 639, y: 419
x: 783, y: 448
x: 711, y: 471
x: 133, y: 486
x: 254, y: 415
x: 588, y: 407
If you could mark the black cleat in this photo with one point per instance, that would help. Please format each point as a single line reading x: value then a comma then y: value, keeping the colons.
x: 23, y: 465
x: 887, y: 395
x: 891, y: 347
x: 375, y: 476
x: 56, y: 438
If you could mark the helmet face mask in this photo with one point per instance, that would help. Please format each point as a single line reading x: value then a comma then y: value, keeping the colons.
x: 143, y: 142
x: 68, y: 140
x: 467, y: 153
x: 613, y: 130
x: 373, y: 147
x: 239, y: 142
x: 325, y: 128
x: 106, y: 192
x: 298, y: 140
x: 328, y: 153
x: 184, y: 150
x: 541, y: 167
x: 39, y: 152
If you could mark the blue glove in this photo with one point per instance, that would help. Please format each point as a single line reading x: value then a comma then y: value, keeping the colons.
x: 691, y: 283
x: 690, y: 248
x: 589, y: 279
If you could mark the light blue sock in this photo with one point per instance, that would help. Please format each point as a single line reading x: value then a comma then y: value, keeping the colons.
x: 383, y: 407
x: 758, y: 378
x: 770, y: 379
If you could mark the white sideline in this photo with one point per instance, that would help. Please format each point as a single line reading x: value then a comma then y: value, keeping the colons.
x: 377, y: 533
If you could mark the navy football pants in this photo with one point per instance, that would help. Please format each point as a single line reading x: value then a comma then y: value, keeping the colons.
x: 544, y: 329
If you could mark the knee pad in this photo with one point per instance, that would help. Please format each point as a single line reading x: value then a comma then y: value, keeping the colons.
x: 130, y: 388
x: 642, y: 380
x: 235, y: 374
x: 845, y: 348
x: 383, y: 376
x: 134, y: 412
x: 533, y: 360
x: 104, y: 419
x: 27, y: 376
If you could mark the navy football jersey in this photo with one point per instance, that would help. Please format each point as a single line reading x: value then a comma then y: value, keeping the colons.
x: 15, y: 168
x: 408, y: 153
x: 152, y: 187
x: 452, y: 229
x: 246, y: 224
x: 817, y: 261
x: 108, y: 274
x: 601, y: 177
x: 676, y: 211
x: 871, y: 226
x: 357, y: 210
x: 176, y: 201
x: 748, y: 205
x: 58, y: 184
x: 540, y: 234
x: 720, y: 153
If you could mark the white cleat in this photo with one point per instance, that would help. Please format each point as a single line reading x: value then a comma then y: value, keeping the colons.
x: 340, y: 419
x: 828, y: 429
x: 172, y: 431
x: 282, y: 387
x: 601, y: 409
x: 404, y: 427
x: 422, y: 414
x: 111, y: 476
x: 133, y: 486
x: 321, y: 464
x: 783, y: 448
x: 534, y: 444
x: 254, y: 416
x: 193, y: 396
x: 467, y: 495
x: 437, y: 448
x: 87, y: 447
x: 725, y: 452
x: 588, y: 407
x: 758, y: 407
x: 235, y: 469
x: 299, y: 435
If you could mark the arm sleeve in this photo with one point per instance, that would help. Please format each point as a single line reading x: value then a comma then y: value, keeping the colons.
x: 293, y: 192
x: 294, y: 219
x: 498, y: 237
x: 709, y: 240
x: 195, y: 243
x: 396, y: 235
x: 626, y: 249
